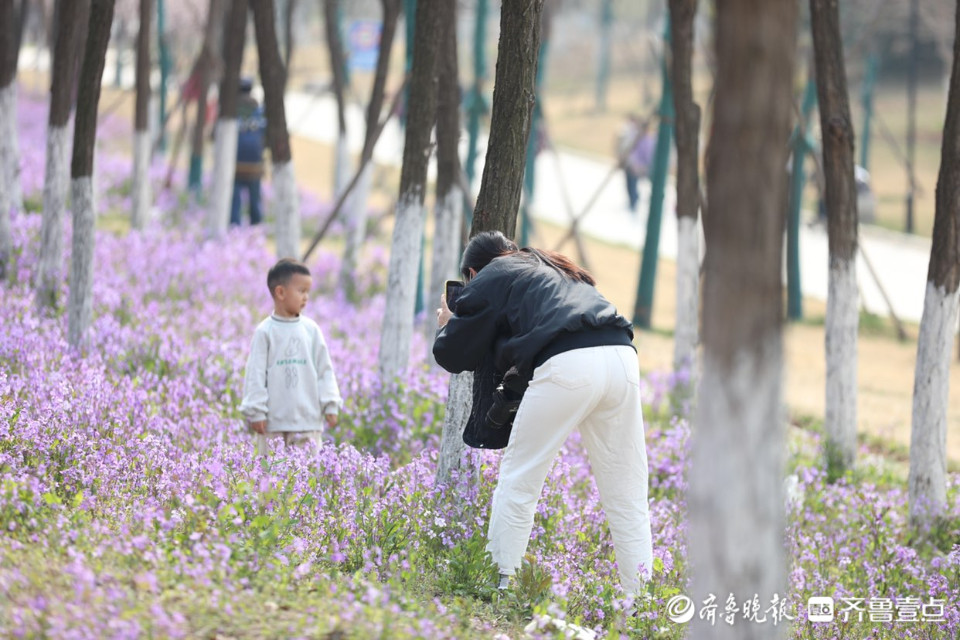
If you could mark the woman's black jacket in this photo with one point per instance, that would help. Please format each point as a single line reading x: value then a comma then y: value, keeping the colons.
x: 518, y: 312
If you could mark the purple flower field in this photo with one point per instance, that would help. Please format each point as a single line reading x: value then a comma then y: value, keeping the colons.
x: 132, y: 504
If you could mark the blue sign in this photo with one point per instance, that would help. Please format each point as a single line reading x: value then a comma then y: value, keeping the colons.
x: 363, y: 40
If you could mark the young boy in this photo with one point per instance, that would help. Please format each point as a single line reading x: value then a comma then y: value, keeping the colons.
x: 289, y: 388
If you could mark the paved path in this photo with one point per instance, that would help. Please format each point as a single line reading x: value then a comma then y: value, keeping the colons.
x: 899, y: 260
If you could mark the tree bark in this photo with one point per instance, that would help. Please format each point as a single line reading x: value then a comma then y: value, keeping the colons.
x: 736, y: 534
x: 142, y: 142
x: 338, y: 67
x: 356, y: 221
x: 80, y: 302
x: 843, y: 314
x: 931, y: 386
x: 273, y: 76
x: 682, y: 14
x: 408, y: 228
x: 514, y: 93
x: 225, y: 135
x: 73, y: 16
x: 446, y: 238
x: 9, y: 156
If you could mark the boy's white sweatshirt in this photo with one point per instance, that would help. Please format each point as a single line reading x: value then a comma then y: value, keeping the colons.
x: 289, y: 380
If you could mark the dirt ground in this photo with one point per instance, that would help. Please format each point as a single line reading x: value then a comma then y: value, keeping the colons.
x: 886, y: 366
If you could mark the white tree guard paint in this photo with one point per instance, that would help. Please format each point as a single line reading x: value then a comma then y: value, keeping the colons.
x: 446, y: 258
x: 9, y: 170
x: 286, y: 210
x: 224, y: 170
x: 80, y: 300
x: 401, y: 286
x: 142, y: 193
x: 735, y: 496
x: 341, y: 170
x: 843, y: 317
x: 16, y: 185
x: 55, y: 184
x: 459, y: 403
x: 931, y: 387
x: 687, y: 330
x: 356, y: 227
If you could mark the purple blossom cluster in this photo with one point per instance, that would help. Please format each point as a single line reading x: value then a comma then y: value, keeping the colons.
x: 132, y: 503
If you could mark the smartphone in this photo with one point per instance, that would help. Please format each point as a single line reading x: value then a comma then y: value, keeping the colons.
x: 452, y: 290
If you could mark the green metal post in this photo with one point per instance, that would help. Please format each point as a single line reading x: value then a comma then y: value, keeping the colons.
x: 409, y: 21
x: 866, y: 99
x: 605, y: 42
x: 118, y: 68
x: 195, y: 176
x: 409, y: 14
x: 643, y: 309
x: 164, y: 71
x: 801, y: 147
x: 346, y: 65
x: 477, y: 105
x: 536, y: 120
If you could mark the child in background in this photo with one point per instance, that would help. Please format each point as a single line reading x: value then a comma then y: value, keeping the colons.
x: 289, y: 388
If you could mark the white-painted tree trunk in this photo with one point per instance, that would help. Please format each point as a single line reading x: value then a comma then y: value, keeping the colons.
x: 286, y: 210
x: 55, y: 182
x: 142, y: 193
x: 8, y: 115
x: 224, y: 170
x: 931, y: 386
x: 687, y: 331
x: 446, y: 258
x: 843, y: 317
x: 80, y: 300
x: 459, y: 403
x: 736, y: 505
x: 341, y: 171
x: 401, y: 286
x: 9, y: 171
x: 356, y: 228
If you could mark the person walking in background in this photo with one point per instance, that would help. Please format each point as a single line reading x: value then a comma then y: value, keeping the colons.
x: 250, y: 141
x: 539, y: 313
x: 635, y: 148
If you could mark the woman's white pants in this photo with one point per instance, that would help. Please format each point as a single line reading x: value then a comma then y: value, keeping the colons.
x: 595, y: 390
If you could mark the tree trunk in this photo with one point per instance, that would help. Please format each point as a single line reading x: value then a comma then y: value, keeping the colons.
x: 446, y: 238
x: 682, y: 14
x: 408, y: 228
x: 73, y: 17
x: 272, y: 74
x: 80, y: 304
x: 459, y: 404
x: 206, y: 72
x: 736, y: 534
x: 514, y: 92
x: 502, y: 180
x: 142, y: 143
x: 9, y: 155
x: 843, y: 313
x: 225, y: 134
x: 338, y: 65
x: 931, y: 386
x: 356, y: 221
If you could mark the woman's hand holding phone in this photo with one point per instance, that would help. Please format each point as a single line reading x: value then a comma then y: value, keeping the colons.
x: 443, y: 313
